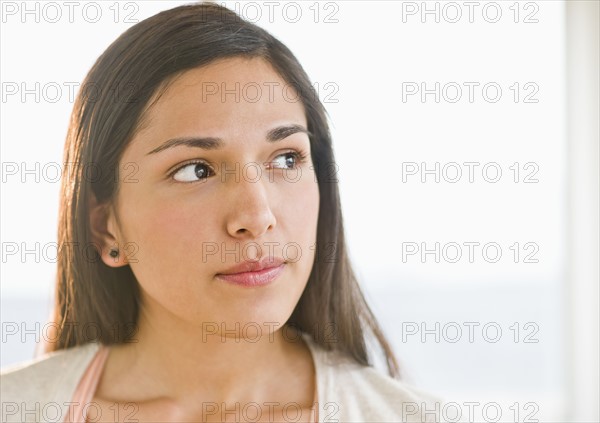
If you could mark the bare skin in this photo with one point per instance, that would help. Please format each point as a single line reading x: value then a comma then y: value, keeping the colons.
x: 127, y: 391
x: 200, y: 340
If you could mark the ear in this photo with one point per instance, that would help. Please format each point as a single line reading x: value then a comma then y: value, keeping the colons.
x: 104, y: 233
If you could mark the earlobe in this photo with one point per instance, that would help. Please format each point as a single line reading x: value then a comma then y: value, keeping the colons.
x: 104, y: 234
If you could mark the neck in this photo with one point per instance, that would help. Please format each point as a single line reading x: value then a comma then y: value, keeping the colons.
x: 184, y: 363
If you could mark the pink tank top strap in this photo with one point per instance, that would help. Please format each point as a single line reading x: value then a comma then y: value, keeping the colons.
x: 86, y: 388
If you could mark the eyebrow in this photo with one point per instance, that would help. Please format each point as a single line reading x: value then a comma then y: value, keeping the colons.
x: 211, y: 143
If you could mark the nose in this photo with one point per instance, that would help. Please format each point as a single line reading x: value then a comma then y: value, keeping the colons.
x: 250, y: 214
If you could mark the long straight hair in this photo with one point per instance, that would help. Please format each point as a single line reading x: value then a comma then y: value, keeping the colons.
x: 95, y: 302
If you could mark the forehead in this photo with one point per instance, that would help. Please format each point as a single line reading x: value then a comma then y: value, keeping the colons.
x: 232, y: 92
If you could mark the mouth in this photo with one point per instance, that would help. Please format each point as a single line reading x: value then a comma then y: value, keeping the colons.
x: 255, y: 278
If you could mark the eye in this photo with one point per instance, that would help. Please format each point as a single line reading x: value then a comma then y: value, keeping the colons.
x: 192, y: 172
x: 199, y: 171
x: 291, y: 159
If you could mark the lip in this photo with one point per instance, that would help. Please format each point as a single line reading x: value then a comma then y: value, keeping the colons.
x: 253, y: 273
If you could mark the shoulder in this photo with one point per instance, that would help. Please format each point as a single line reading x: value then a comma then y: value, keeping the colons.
x: 48, y: 379
x: 351, y: 392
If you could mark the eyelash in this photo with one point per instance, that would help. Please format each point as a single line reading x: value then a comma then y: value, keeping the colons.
x: 299, y: 155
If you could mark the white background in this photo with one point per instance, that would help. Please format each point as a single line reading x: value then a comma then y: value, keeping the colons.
x: 363, y: 55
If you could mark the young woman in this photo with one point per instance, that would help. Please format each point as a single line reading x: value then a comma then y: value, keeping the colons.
x: 219, y: 286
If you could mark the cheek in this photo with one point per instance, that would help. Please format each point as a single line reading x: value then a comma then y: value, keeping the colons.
x: 172, y: 240
x: 301, y: 219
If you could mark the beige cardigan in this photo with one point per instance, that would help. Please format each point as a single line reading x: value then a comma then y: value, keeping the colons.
x: 40, y: 389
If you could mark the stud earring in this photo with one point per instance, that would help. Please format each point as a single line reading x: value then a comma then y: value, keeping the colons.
x: 114, y: 253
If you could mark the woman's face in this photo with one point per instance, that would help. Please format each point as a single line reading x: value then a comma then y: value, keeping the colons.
x: 186, y: 213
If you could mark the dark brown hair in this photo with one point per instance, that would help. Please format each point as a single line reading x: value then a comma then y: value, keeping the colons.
x: 108, y: 112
